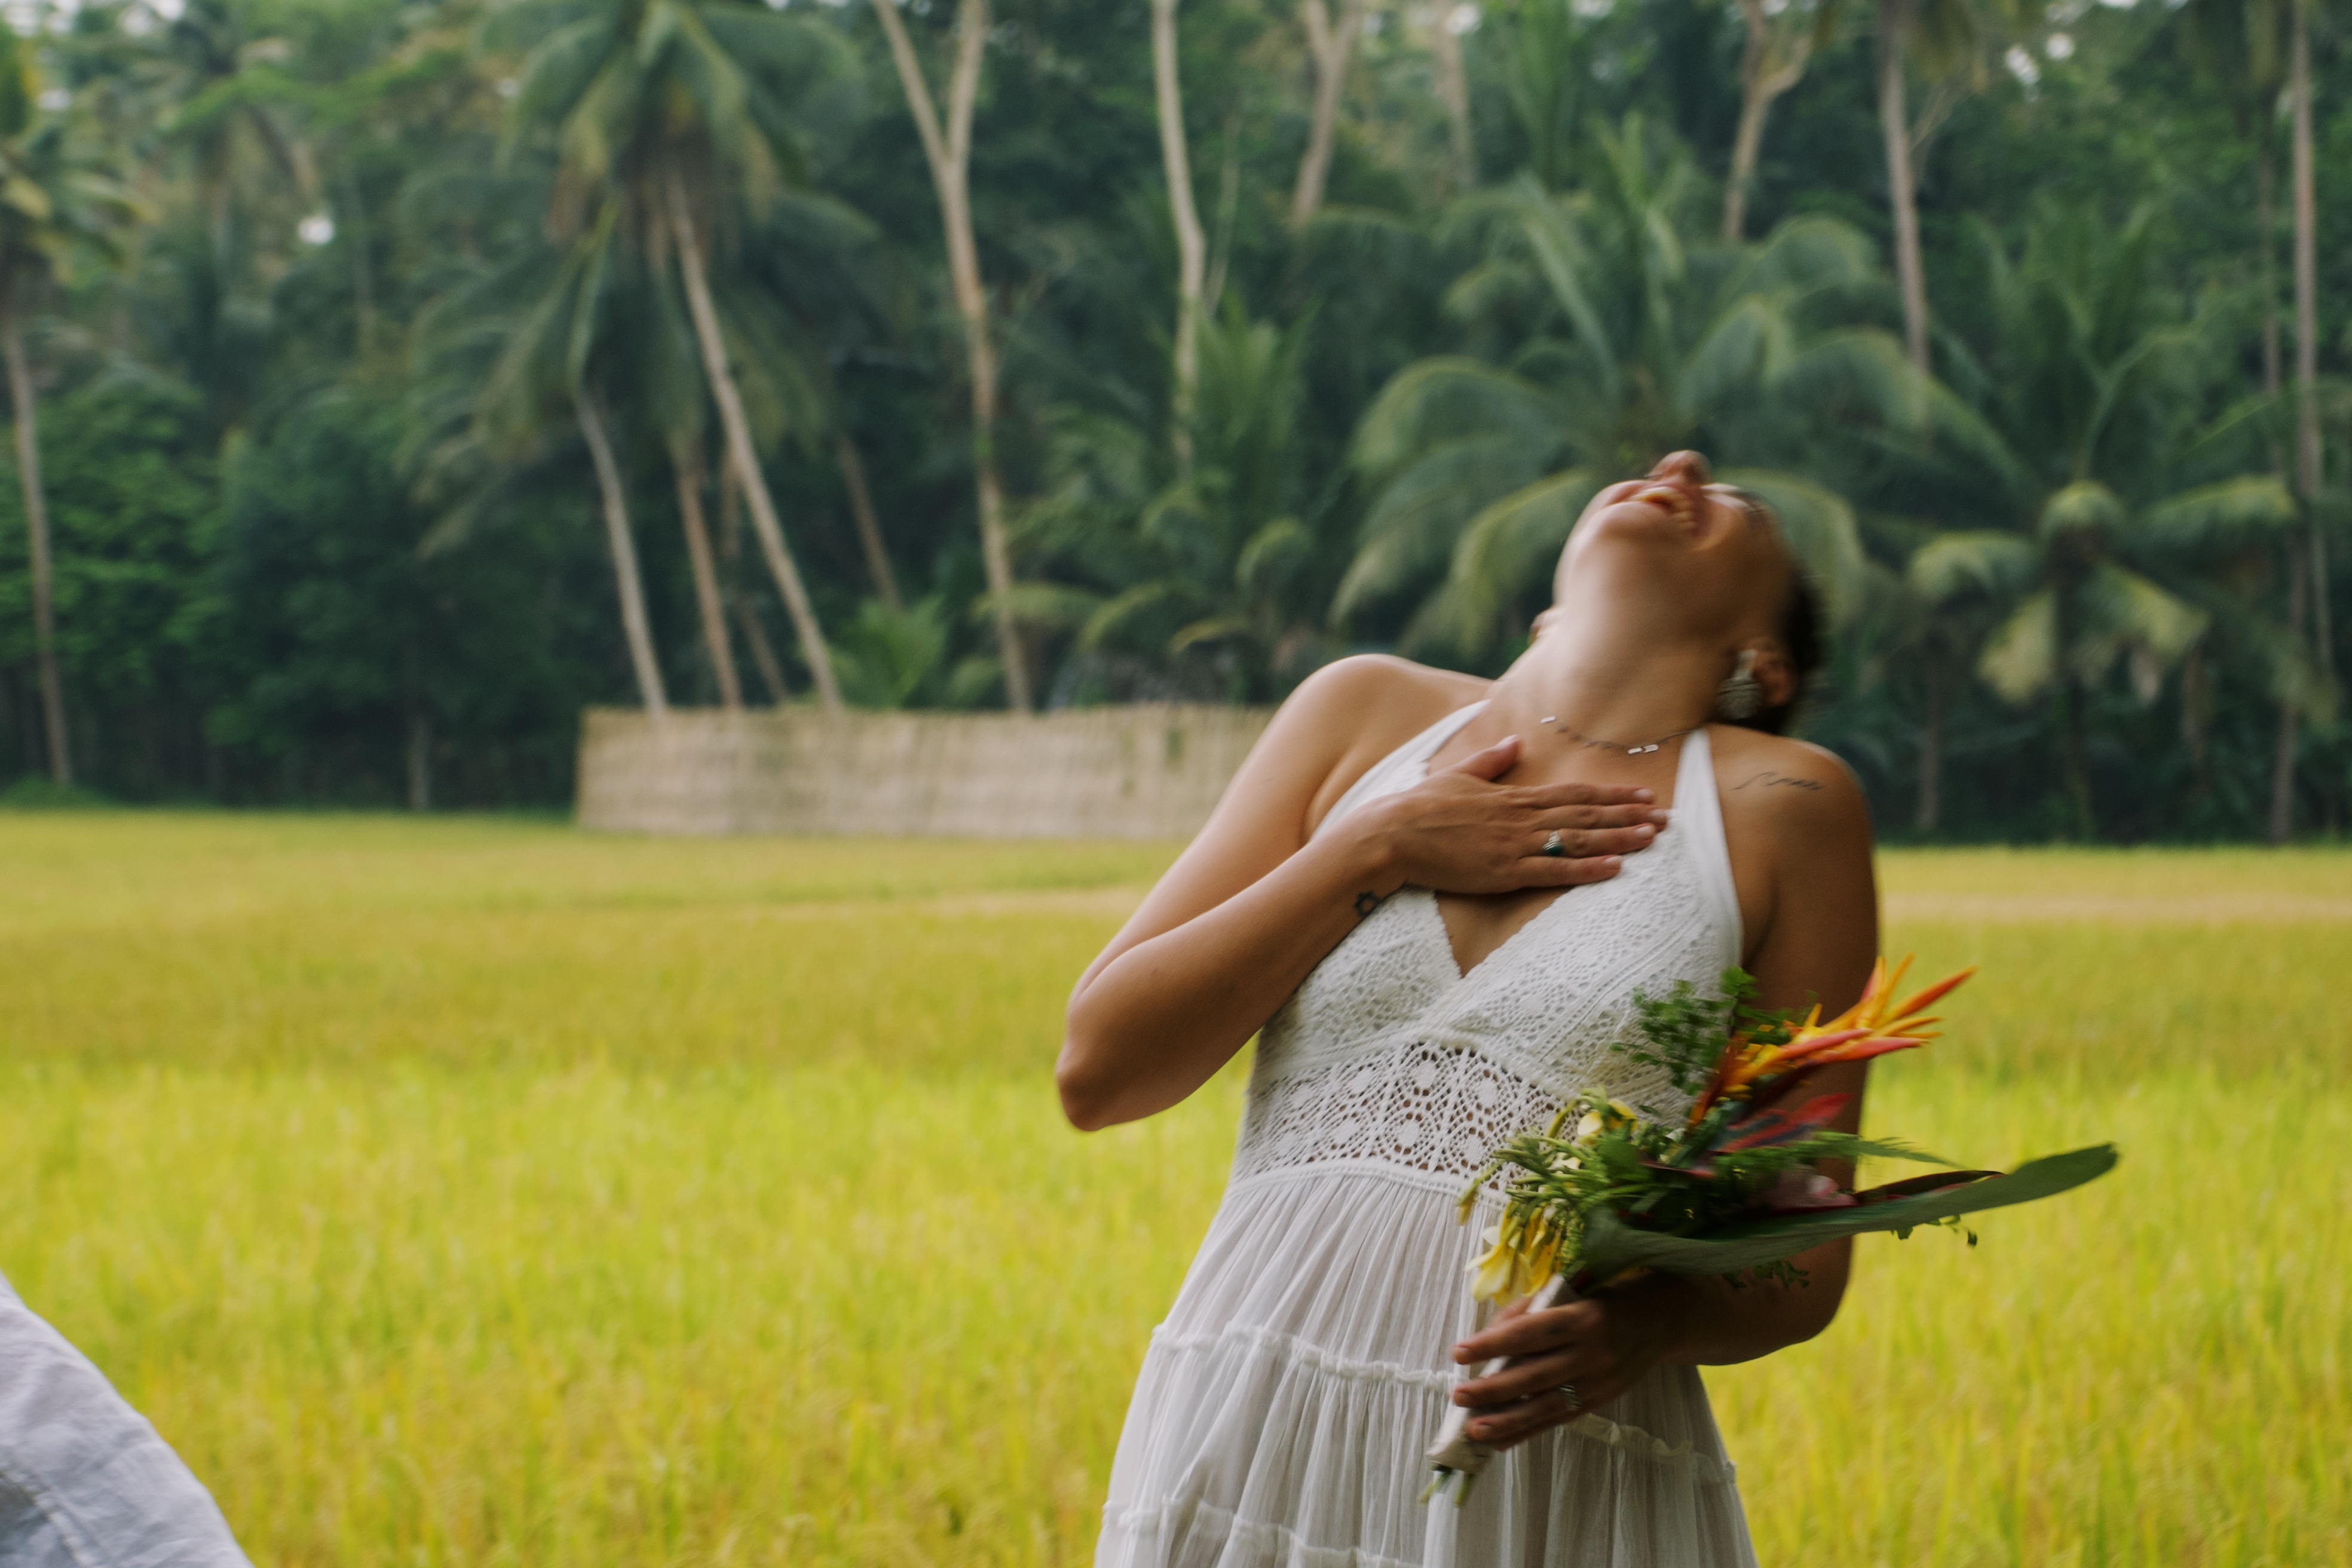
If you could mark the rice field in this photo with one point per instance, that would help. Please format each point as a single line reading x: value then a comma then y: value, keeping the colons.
x: 478, y: 1192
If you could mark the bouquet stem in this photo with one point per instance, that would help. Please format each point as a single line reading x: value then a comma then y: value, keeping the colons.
x: 1457, y: 1458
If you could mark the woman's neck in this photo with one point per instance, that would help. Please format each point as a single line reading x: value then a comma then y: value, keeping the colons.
x: 1596, y: 683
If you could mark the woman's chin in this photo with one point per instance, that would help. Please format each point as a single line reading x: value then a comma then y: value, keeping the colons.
x: 1644, y: 524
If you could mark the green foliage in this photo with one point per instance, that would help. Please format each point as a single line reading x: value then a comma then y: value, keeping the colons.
x: 1682, y: 1034
x: 2060, y: 569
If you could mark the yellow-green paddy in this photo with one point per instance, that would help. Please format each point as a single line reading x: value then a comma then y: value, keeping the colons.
x: 484, y: 1192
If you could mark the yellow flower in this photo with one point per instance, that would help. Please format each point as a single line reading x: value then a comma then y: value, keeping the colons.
x: 1521, y: 1254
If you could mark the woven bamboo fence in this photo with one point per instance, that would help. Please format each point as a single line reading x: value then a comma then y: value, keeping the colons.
x: 1151, y: 771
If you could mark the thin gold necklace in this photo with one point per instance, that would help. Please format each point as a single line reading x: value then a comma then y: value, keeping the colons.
x: 1588, y: 743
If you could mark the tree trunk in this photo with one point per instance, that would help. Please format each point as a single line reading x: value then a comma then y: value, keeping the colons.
x: 1894, y: 123
x: 869, y: 526
x: 635, y: 623
x: 2281, y: 825
x: 745, y: 457
x: 1191, y: 245
x: 1761, y: 82
x: 2073, y: 763
x: 2266, y: 267
x: 1453, y: 93
x: 948, y: 149
x: 37, y: 535
x: 746, y: 619
x: 2195, y: 718
x: 2306, y: 333
x: 686, y: 463
x: 1931, y: 749
x: 420, y: 761
x: 1330, y: 48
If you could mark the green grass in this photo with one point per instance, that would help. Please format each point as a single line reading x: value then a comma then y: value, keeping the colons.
x: 484, y: 1192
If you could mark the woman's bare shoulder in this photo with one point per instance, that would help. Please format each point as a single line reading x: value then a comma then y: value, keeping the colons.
x: 1794, y: 788
x: 1390, y: 684
x: 1355, y: 710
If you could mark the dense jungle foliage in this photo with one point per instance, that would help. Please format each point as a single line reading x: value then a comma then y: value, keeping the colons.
x: 391, y: 380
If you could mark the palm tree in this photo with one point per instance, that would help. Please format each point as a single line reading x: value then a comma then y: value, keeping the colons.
x: 51, y: 210
x: 2071, y: 426
x: 219, y: 93
x: 1214, y: 570
x: 1191, y: 242
x: 1625, y: 336
x: 1943, y: 39
x: 2304, y: 579
x: 947, y: 149
x: 669, y: 122
x: 2252, y: 50
x: 2236, y: 45
x: 1330, y: 46
x: 1772, y: 59
x: 512, y: 362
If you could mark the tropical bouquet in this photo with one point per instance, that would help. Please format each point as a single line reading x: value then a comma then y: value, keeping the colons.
x: 1735, y: 1187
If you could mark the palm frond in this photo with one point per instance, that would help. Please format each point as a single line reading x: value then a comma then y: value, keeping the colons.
x: 2021, y: 658
x: 1956, y: 565
x: 2218, y: 516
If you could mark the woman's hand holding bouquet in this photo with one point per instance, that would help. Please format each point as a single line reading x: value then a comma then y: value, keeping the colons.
x: 1734, y: 1188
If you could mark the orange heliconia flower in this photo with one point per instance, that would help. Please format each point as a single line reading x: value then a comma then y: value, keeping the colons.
x: 1871, y: 1026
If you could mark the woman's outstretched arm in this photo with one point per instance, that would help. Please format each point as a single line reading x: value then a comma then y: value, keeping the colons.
x: 1257, y: 901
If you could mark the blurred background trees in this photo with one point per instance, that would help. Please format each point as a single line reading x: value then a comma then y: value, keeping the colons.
x: 389, y: 381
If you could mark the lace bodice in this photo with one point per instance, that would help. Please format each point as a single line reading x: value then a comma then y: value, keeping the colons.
x: 1388, y: 1056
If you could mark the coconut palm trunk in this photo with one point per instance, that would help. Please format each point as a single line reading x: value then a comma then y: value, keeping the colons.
x: 747, y: 617
x: 2266, y: 260
x: 1191, y: 244
x: 2073, y: 763
x: 2306, y: 328
x: 2306, y: 567
x: 36, y: 532
x: 1330, y: 46
x: 1894, y: 127
x: 1930, y: 814
x: 686, y: 463
x: 635, y: 623
x: 1762, y: 79
x: 869, y: 525
x: 743, y: 456
x: 947, y: 149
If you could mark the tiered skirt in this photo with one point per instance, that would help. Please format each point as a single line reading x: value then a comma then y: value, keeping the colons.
x: 1284, y: 1407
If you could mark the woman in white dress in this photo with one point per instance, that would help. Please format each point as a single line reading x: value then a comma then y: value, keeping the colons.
x: 1437, y: 897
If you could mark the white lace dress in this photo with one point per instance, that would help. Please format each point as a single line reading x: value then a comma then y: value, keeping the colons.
x: 1285, y: 1405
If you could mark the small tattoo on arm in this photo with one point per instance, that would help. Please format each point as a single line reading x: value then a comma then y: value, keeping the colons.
x: 1366, y: 903
x: 1771, y: 780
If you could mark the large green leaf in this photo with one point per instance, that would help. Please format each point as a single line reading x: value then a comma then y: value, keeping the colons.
x: 1610, y: 1247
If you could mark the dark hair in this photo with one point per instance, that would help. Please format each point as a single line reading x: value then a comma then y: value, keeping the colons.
x: 1801, y: 633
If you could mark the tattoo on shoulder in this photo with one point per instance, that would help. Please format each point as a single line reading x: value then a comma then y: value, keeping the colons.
x: 1768, y: 779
